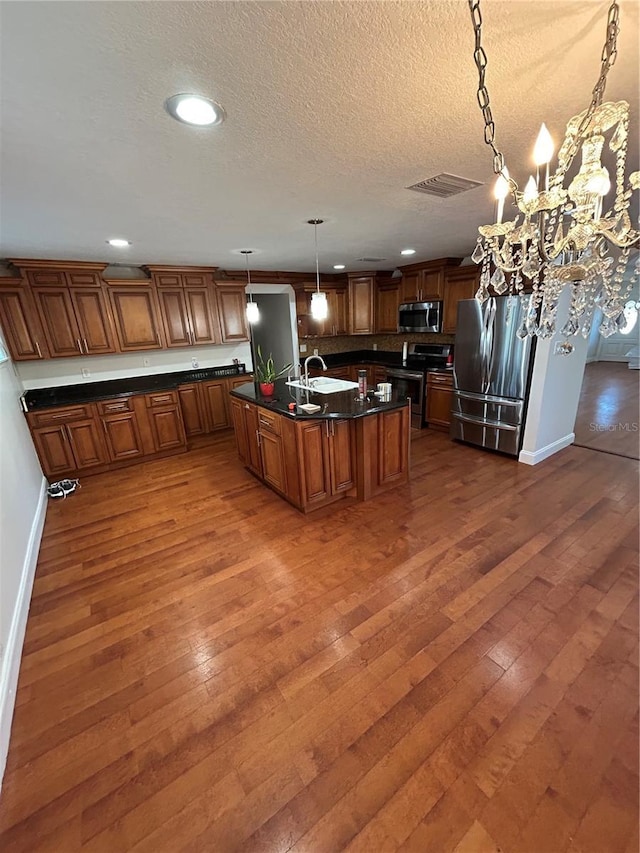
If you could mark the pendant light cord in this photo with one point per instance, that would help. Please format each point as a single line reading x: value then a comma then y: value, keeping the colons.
x: 315, y: 234
x: 246, y: 255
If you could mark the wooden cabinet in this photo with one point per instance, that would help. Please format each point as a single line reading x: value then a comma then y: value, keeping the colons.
x: 240, y: 428
x: 327, y: 460
x: 72, y: 307
x: 232, y: 304
x: 207, y: 406
x: 187, y: 305
x: 163, y: 412
x: 342, y: 455
x: 215, y: 395
x: 460, y: 283
x: 438, y: 400
x: 379, y: 374
x: 21, y: 325
x: 136, y: 316
x: 425, y: 281
x: 337, y: 321
x: 194, y: 409
x: 67, y: 439
x: 361, y: 304
x: 122, y: 435
x: 387, y: 304
x: 272, y: 450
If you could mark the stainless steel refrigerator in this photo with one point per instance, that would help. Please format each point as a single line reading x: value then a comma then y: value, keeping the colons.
x: 490, y: 374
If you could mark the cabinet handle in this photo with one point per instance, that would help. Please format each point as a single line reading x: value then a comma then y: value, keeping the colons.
x: 116, y: 407
x: 258, y: 437
x: 65, y: 437
x: 247, y: 406
x: 39, y: 350
x: 55, y: 417
x: 164, y: 399
x: 79, y: 342
x: 86, y: 348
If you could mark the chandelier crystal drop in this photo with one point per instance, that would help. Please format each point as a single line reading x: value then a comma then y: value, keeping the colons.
x: 253, y: 312
x: 319, y: 305
x: 565, y: 230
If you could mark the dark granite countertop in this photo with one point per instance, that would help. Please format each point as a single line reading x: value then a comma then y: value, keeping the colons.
x: 343, y: 404
x: 43, y: 398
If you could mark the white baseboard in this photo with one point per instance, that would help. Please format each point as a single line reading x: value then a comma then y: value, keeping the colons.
x: 13, y: 652
x: 529, y: 458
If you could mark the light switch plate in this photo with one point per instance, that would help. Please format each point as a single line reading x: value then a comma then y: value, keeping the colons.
x: 303, y: 347
x: 86, y: 373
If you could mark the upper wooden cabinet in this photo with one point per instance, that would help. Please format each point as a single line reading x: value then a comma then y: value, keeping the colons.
x: 232, y: 302
x: 361, y: 303
x: 136, y: 316
x: 337, y: 320
x: 387, y: 303
x: 424, y: 282
x: 21, y: 325
x: 72, y: 307
x: 460, y: 283
x: 187, y: 305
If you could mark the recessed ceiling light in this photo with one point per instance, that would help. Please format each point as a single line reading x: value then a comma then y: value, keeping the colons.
x: 118, y: 243
x: 408, y: 252
x: 194, y: 110
x: 338, y: 266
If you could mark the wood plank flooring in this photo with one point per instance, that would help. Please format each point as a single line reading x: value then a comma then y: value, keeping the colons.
x: 451, y: 667
x: 608, y: 416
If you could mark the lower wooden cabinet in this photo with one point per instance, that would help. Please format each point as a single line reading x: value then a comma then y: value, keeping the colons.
x: 123, y: 437
x: 206, y: 405
x: 54, y: 450
x: 215, y: 394
x: 439, y: 398
x: 73, y: 446
x: 165, y: 420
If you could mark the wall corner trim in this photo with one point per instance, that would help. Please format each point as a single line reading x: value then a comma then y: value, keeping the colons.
x: 528, y: 458
x: 12, y: 657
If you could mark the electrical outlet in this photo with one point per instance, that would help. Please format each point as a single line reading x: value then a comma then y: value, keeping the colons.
x: 146, y: 362
x: 195, y: 362
x: 375, y: 347
x: 86, y: 373
x: 315, y: 352
x: 303, y: 347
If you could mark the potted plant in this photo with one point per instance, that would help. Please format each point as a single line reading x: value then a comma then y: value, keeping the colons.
x: 266, y: 373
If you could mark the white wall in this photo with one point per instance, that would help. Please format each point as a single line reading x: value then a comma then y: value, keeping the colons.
x: 554, y: 395
x: 68, y: 371
x: 22, y: 511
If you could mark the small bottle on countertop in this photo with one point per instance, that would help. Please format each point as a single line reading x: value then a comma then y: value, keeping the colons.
x: 405, y: 351
x: 362, y: 384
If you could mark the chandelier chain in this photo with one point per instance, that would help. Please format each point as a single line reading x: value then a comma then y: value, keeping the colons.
x: 608, y: 58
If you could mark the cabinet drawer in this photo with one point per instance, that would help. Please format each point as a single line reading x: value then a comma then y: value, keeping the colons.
x: 60, y: 415
x: 165, y: 398
x: 268, y: 421
x: 110, y: 407
x: 440, y: 379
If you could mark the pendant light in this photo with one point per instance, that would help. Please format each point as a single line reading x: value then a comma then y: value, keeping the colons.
x: 253, y: 312
x: 319, y: 305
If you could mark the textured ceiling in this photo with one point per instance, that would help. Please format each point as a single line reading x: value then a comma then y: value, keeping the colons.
x: 333, y: 108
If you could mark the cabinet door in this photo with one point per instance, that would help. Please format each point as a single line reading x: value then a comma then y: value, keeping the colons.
x: 387, y: 302
x: 273, y: 468
x: 215, y: 394
x: 338, y: 306
x: 240, y: 429
x: 21, y: 325
x: 342, y: 455
x: 194, y: 411
x: 254, y: 460
x: 232, y: 312
x: 136, y: 318
x: 203, y: 316
x: 122, y: 436
x: 432, y: 284
x: 94, y: 320
x: 166, y: 427
x: 439, y: 400
x: 379, y: 375
x: 410, y: 287
x: 173, y: 309
x: 458, y: 287
x: 314, y: 462
x: 87, y: 443
x: 392, y: 446
x: 59, y: 321
x: 54, y: 450
x: 361, y: 305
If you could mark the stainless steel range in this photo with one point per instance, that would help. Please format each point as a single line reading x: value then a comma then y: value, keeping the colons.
x: 410, y: 379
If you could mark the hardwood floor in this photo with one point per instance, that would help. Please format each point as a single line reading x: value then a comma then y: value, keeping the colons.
x: 450, y: 667
x: 608, y: 418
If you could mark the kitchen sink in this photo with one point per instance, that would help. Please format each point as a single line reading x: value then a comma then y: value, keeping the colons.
x: 324, y: 385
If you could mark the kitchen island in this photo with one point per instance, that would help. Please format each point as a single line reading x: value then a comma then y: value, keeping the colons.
x: 349, y: 448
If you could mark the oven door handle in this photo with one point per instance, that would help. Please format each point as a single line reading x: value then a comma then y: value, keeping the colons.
x: 405, y: 374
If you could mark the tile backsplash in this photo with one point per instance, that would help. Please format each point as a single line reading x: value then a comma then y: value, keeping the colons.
x: 389, y: 343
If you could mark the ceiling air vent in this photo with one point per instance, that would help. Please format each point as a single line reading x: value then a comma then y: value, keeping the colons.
x: 443, y: 186
x: 371, y: 260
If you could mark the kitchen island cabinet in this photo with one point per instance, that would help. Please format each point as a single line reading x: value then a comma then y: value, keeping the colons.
x: 347, y: 449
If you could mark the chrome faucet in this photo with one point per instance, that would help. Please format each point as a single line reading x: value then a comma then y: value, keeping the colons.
x: 306, y: 367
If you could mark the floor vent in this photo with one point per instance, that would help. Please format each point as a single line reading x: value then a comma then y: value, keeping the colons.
x: 371, y: 260
x: 443, y: 186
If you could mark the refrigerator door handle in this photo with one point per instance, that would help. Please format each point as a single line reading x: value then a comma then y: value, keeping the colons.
x: 486, y: 422
x: 487, y: 398
x: 490, y: 319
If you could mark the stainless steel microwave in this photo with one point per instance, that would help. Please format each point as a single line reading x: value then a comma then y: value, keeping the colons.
x: 420, y: 317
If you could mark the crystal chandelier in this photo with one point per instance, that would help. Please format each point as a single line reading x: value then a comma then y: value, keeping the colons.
x: 562, y: 233
x: 319, y: 305
x: 253, y: 312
